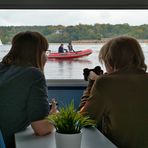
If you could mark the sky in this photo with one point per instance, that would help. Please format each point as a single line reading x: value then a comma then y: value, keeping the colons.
x: 72, y: 17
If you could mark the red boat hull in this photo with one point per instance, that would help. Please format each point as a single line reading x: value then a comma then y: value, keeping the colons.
x: 70, y: 55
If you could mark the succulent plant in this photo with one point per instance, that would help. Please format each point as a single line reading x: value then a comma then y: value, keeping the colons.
x: 69, y: 121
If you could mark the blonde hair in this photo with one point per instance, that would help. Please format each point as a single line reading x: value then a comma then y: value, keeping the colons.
x: 123, y: 52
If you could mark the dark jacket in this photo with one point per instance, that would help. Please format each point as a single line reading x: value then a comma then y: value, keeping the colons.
x: 23, y: 99
x: 119, y: 103
x: 61, y: 49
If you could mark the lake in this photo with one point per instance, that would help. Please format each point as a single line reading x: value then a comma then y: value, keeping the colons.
x: 71, y: 69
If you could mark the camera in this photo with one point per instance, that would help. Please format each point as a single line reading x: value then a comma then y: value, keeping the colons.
x: 97, y: 70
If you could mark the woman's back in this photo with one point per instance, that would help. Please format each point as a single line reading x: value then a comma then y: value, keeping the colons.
x: 17, y: 110
x: 125, y: 103
x: 118, y: 101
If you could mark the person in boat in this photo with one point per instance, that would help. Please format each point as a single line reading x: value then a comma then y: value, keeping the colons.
x: 61, y: 49
x: 118, y: 100
x: 23, y: 90
x: 70, y: 47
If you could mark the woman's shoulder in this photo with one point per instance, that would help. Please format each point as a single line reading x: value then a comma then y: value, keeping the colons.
x: 34, y: 72
x: 119, y: 76
x: 103, y: 80
x: 105, y: 77
x: 27, y: 71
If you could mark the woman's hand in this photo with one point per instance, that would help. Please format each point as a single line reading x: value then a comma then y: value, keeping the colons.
x: 53, y: 109
x: 92, y: 76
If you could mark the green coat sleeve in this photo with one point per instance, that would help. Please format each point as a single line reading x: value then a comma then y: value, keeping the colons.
x: 95, y: 103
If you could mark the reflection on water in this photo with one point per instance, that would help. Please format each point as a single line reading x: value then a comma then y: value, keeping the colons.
x: 70, y: 60
x: 71, y: 68
x: 66, y: 69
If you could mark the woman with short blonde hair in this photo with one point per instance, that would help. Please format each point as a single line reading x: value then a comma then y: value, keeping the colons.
x: 118, y: 100
x: 123, y: 52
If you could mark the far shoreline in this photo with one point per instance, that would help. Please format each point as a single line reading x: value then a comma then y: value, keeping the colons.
x: 103, y: 41
x: 79, y: 42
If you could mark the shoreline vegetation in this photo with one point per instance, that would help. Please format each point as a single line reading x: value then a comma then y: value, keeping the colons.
x: 78, y: 42
x: 101, y: 41
x: 82, y: 33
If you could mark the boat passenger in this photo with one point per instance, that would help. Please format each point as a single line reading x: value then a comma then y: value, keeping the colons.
x: 118, y: 101
x: 61, y: 49
x: 70, y: 47
x: 23, y: 90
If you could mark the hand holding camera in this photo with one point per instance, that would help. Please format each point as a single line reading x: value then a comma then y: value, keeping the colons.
x: 92, y: 75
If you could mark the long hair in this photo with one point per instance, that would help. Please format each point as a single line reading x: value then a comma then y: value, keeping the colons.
x: 123, y: 52
x: 26, y: 50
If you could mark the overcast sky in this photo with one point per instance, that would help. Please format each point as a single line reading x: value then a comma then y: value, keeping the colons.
x: 72, y: 17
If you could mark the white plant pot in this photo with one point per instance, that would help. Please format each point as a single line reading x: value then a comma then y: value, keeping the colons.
x: 68, y: 140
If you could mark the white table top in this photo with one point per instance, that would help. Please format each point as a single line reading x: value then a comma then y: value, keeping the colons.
x: 91, y: 138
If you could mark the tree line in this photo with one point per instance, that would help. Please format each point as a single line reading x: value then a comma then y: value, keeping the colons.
x: 59, y: 33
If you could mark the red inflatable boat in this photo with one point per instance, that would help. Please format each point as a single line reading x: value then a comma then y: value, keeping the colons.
x: 69, y: 55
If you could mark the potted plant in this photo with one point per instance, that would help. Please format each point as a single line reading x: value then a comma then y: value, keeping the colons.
x: 68, y: 124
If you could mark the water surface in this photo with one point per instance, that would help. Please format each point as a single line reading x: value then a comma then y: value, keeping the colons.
x: 71, y: 69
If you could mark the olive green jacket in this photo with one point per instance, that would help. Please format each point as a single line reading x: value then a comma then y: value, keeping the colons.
x: 119, y: 102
